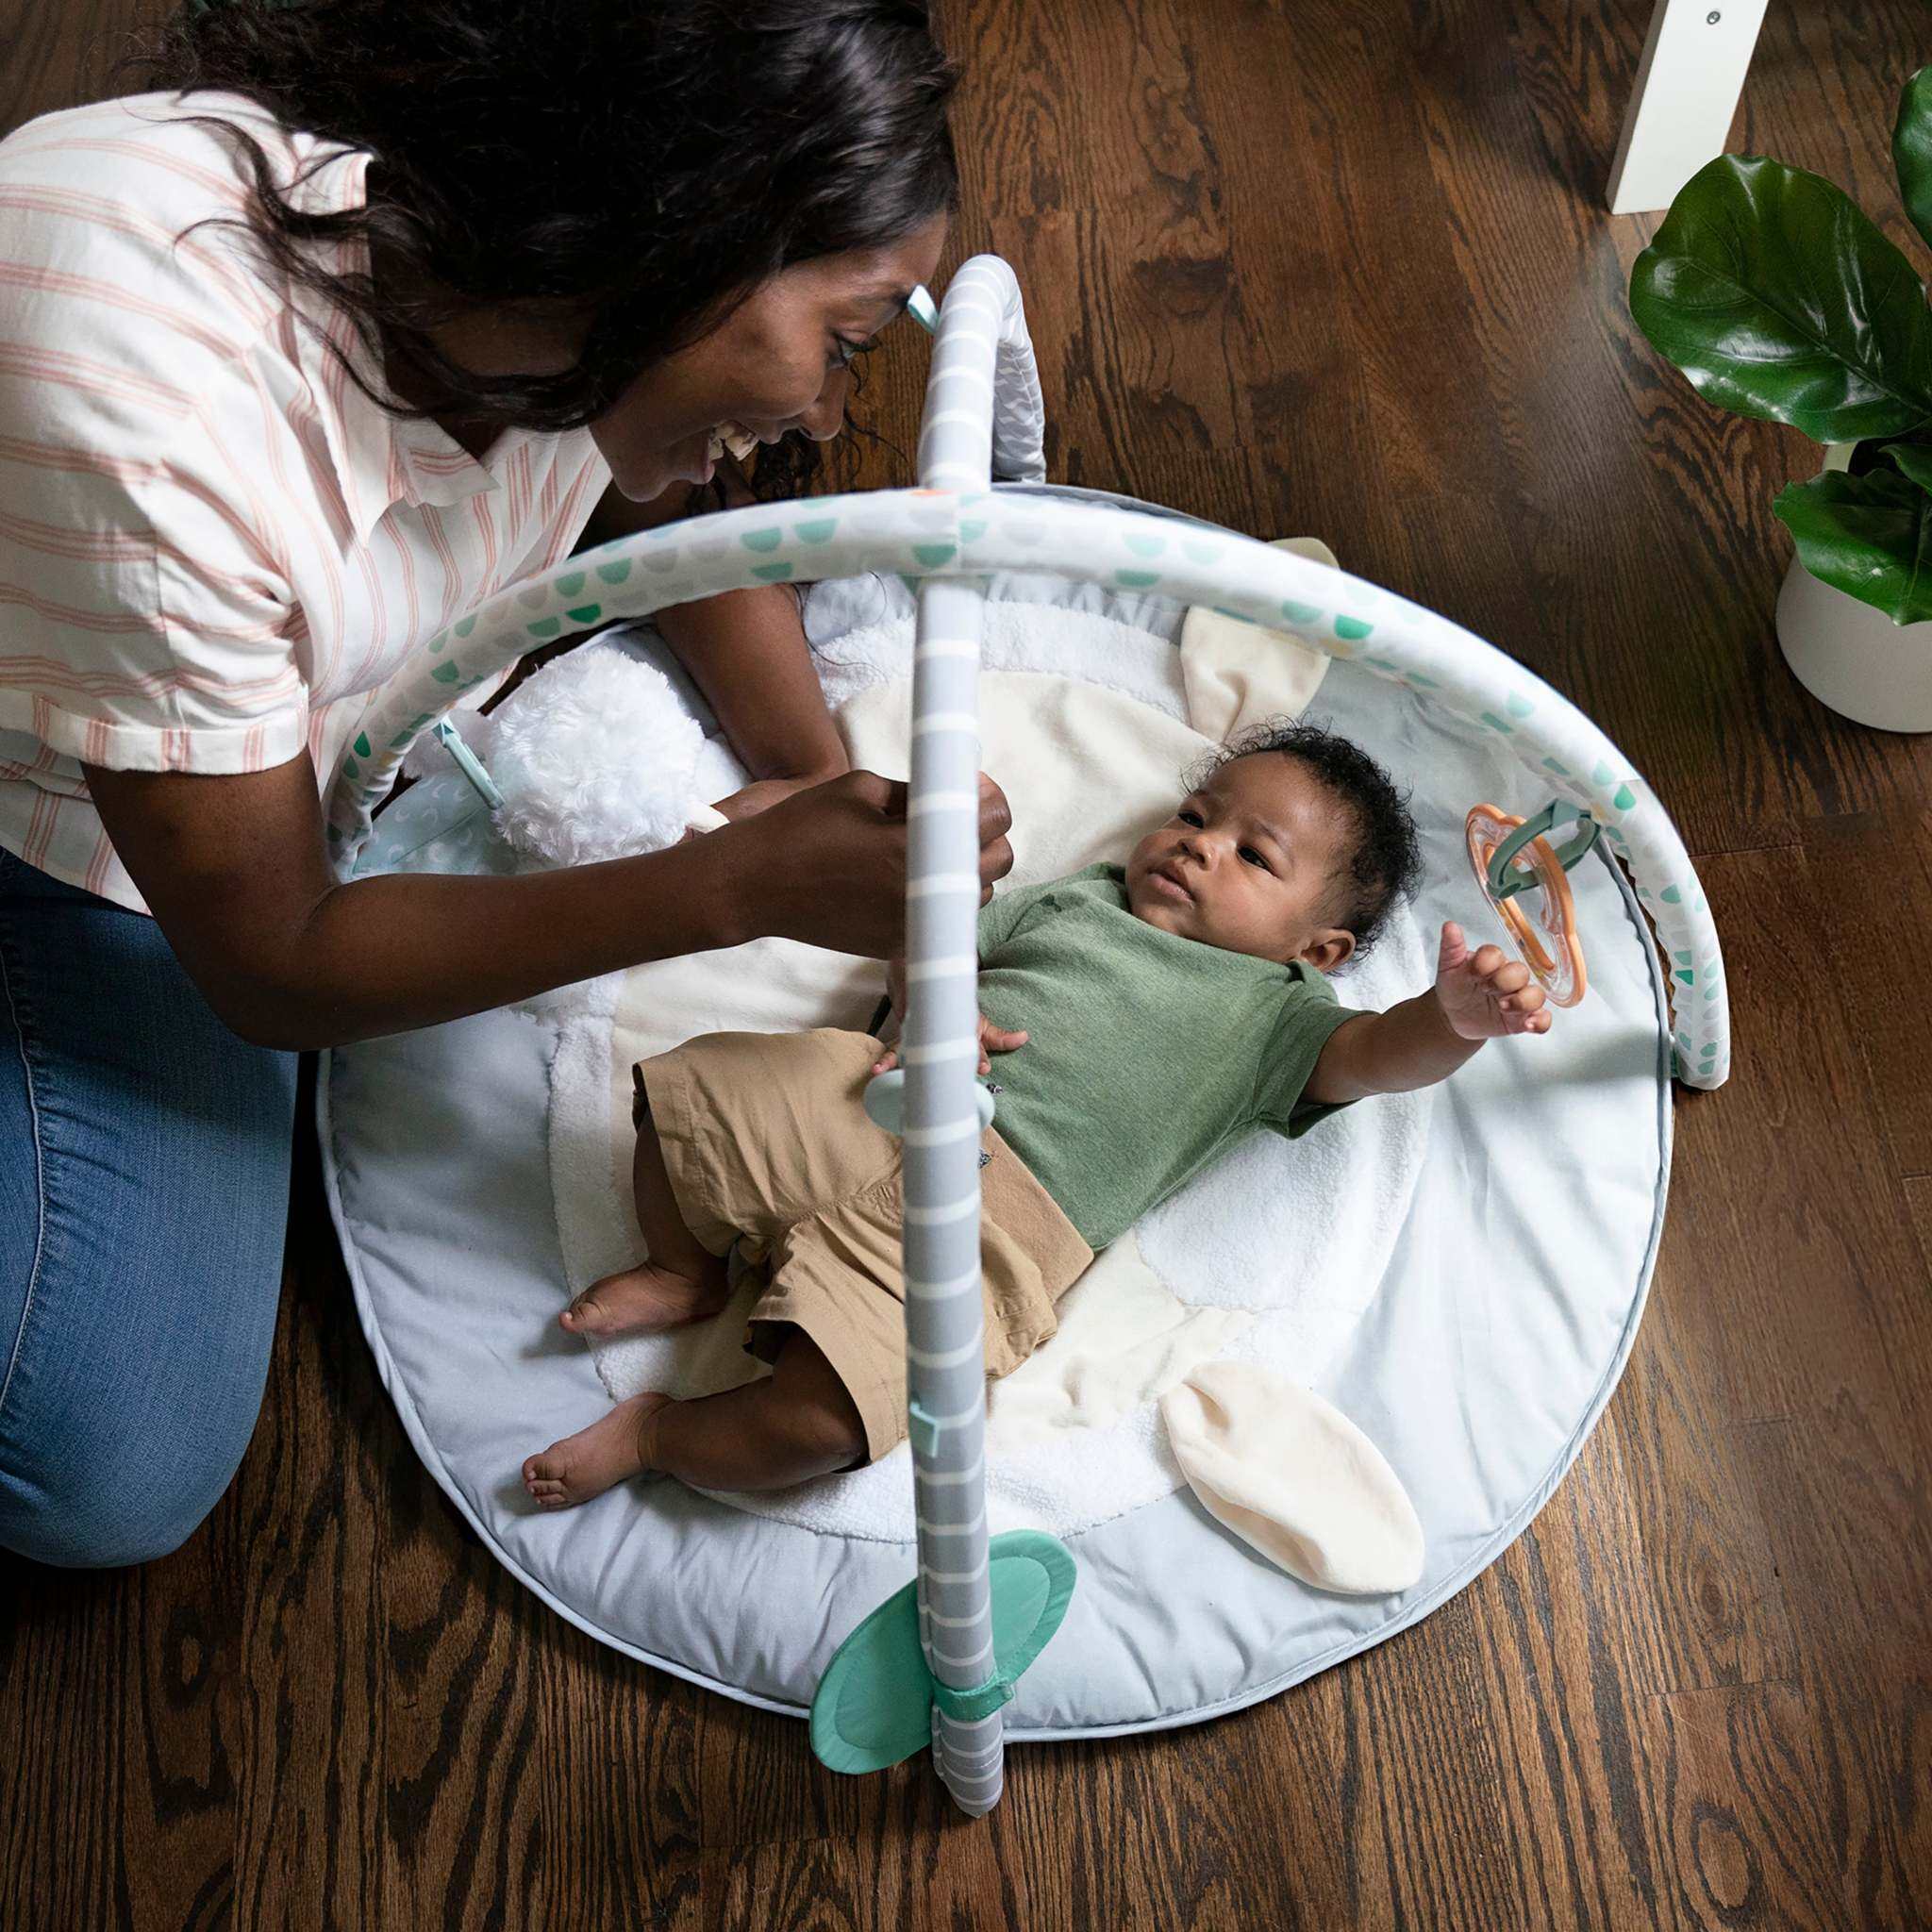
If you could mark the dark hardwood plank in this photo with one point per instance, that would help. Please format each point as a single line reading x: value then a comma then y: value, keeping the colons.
x: 1744, y: 1788
x: 58, y: 56
x: 1803, y: 1326
x: 1865, y: 1673
x: 1097, y: 1834
x: 1573, y: 1650
x: 762, y: 1786
x: 1875, y: 873
x: 529, y: 1775
x: 309, y: 1677
x: 812, y: 1884
x: 1710, y: 1600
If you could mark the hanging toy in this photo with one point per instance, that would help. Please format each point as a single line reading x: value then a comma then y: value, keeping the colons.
x: 590, y: 757
x: 1526, y: 880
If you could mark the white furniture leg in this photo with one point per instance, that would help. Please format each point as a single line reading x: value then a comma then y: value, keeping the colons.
x: 1687, y: 83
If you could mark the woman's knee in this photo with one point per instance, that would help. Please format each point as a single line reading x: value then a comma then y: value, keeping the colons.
x: 123, y: 1425
x: 114, y: 1447
x: 106, y: 1496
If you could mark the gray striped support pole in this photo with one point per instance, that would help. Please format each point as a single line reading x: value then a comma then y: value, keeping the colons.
x: 981, y: 349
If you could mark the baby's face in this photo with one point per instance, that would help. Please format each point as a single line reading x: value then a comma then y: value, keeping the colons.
x: 1247, y: 864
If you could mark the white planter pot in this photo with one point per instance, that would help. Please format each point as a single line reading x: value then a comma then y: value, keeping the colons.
x: 1850, y: 657
x: 1853, y: 658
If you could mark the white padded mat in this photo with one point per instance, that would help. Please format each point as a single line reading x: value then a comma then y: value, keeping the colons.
x: 1508, y: 1294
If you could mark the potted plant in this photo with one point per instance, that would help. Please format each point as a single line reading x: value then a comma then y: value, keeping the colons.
x: 1773, y: 292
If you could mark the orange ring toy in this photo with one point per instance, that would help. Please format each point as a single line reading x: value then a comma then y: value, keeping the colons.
x: 1559, y: 965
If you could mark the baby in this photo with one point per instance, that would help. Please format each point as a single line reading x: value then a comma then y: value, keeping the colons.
x: 1155, y: 1015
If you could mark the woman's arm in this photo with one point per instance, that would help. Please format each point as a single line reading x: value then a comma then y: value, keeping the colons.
x: 234, y: 870
x: 746, y: 651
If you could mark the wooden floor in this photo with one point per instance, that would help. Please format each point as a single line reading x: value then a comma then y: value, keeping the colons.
x: 1332, y: 266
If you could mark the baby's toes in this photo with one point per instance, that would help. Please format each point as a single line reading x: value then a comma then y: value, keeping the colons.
x: 593, y: 1313
x: 545, y: 1477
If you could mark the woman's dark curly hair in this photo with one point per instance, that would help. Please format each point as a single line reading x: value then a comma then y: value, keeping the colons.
x: 1385, y: 864
x: 638, y: 166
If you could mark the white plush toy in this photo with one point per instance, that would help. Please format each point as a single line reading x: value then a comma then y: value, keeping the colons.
x: 596, y: 758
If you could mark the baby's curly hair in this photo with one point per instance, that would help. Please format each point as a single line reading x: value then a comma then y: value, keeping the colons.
x: 1386, y: 863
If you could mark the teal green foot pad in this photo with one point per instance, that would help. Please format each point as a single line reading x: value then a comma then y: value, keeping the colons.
x: 874, y: 1703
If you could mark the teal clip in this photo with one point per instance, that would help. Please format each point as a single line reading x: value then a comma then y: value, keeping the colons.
x: 922, y: 308
x: 924, y: 1428
x: 1504, y: 878
x: 968, y: 1707
x: 468, y: 764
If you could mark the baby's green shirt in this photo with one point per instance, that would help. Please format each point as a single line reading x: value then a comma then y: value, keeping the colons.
x: 1148, y: 1055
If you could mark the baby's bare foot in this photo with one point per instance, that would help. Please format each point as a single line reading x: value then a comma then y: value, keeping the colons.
x: 642, y: 1300
x: 611, y: 1450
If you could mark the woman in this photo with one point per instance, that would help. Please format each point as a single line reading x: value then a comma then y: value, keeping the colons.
x: 293, y: 369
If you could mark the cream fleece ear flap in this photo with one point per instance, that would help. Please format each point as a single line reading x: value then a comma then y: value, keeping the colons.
x: 1236, y: 673
x: 1291, y: 1476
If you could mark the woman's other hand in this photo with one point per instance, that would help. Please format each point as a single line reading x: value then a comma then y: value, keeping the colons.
x: 827, y: 865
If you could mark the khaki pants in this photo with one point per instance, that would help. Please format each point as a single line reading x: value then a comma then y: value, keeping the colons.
x: 767, y: 1141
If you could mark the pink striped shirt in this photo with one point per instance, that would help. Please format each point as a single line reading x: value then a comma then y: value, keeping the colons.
x: 214, y: 548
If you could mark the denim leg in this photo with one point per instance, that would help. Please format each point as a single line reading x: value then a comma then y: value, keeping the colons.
x: 144, y: 1196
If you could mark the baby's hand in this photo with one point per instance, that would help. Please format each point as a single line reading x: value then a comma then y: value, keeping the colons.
x: 1486, y: 994
x: 992, y: 1040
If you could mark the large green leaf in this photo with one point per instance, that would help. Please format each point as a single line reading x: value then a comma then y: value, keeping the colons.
x: 1870, y: 535
x: 1912, y: 150
x: 1913, y: 458
x: 1776, y: 296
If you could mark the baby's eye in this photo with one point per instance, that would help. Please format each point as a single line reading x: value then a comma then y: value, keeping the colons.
x: 1188, y: 816
x: 1251, y: 857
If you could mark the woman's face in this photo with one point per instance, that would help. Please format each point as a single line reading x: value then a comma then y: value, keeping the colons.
x: 777, y: 363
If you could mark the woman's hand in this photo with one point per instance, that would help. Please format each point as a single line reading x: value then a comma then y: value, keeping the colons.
x: 764, y: 793
x: 828, y: 865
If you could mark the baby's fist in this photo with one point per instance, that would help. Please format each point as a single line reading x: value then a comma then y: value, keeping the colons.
x: 1486, y: 994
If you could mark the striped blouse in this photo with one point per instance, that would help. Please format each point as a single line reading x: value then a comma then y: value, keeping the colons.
x: 214, y: 548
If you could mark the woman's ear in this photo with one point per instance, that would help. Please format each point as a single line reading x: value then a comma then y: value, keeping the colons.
x: 1327, y: 949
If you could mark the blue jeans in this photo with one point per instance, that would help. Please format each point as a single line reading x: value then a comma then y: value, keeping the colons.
x: 144, y: 1196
